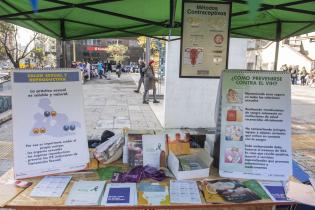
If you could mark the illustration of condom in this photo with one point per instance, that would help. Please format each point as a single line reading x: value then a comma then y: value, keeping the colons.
x: 53, y: 114
x: 42, y: 130
x: 36, y: 130
x: 193, y: 55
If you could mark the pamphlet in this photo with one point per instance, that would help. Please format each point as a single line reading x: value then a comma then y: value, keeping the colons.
x: 51, y: 186
x: 178, y: 143
x: 275, y: 190
x: 156, y: 193
x: 301, y: 193
x: 120, y: 194
x: 232, y: 190
x: 154, y: 150
x: 255, y: 125
x: 135, y: 151
x: 184, y: 192
x: 85, y: 193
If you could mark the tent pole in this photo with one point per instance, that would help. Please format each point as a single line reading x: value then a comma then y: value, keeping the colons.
x: 147, y: 50
x: 63, y: 43
x: 278, y: 38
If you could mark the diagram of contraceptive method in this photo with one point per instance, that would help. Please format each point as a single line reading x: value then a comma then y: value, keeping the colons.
x: 52, y: 123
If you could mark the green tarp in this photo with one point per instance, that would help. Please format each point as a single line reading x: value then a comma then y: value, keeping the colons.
x: 84, y: 19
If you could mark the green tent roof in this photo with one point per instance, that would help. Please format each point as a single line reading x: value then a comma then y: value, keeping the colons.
x: 84, y: 19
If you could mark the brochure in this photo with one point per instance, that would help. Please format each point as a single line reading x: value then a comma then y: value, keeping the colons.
x: 120, y: 194
x: 275, y: 190
x: 156, y: 193
x: 190, y: 162
x: 178, y: 143
x: 51, y: 186
x: 85, y: 193
x: 184, y: 192
x: 135, y: 152
x: 154, y: 150
x: 232, y: 190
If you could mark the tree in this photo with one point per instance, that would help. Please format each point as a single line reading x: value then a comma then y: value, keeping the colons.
x: 117, y: 51
x: 10, y: 44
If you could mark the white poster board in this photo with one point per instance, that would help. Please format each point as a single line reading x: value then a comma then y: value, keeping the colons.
x: 48, y: 122
x: 205, y: 38
x: 255, y: 125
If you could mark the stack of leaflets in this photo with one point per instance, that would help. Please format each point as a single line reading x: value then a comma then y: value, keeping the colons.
x: 190, y: 162
x: 153, y: 193
x: 219, y: 191
x: 85, y: 193
x: 120, y: 194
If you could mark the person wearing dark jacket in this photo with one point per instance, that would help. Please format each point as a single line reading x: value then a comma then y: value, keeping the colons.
x: 141, y: 80
x: 149, y: 82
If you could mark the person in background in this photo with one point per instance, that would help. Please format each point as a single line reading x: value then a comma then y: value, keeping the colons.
x: 108, y: 69
x: 303, y: 74
x: 88, y: 70
x: 118, y: 69
x: 149, y: 82
x: 100, y: 69
x: 141, y: 80
x: 73, y: 64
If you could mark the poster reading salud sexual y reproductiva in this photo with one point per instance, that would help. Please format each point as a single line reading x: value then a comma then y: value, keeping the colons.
x: 48, y: 122
x: 255, y: 125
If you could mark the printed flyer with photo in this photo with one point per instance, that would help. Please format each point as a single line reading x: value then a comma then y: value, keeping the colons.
x: 205, y: 39
x: 255, y: 125
x: 48, y: 122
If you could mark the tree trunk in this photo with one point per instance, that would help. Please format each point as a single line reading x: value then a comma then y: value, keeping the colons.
x: 16, y: 64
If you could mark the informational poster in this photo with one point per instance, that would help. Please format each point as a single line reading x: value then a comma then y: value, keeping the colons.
x: 205, y: 39
x: 48, y: 122
x: 255, y: 125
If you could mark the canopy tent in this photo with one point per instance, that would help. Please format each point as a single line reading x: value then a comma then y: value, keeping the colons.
x: 86, y: 19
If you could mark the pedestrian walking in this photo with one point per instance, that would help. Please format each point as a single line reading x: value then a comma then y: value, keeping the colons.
x: 88, y: 70
x: 141, y: 80
x: 118, y: 69
x: 303, y: 76
x: 100, y: 69
x: 293, y: 75
x: 149, y: 82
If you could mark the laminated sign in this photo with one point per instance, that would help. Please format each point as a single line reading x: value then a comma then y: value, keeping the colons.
x: 48, y: 123
x: 255, y: 125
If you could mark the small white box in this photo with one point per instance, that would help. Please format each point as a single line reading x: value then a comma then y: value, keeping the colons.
x: 173, y: 165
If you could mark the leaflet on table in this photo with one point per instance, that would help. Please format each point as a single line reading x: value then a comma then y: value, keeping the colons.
x: 54, y: 138
x: 51, y: 186
x: 301, y: 193
x: 255, y: 125
x: 274, y: 189
x: 156, y: 193
x: 85, y: 193
x: 184, y: 192
x: 120, y: 194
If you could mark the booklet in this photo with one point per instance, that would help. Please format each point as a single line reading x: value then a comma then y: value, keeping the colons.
x: 184, y: 191
x: 85, y: 193
x: 120, y: 194
x: 232, y: 190
x: 135, y: 151
x: 51, y: 186
x: 209, y: 193
x: 153, y: 193
x: 275, y: 190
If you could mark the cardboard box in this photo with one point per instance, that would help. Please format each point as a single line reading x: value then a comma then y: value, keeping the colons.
x: 173, y: 165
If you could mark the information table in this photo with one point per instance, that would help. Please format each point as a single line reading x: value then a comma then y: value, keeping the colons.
x: 18, y: 198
